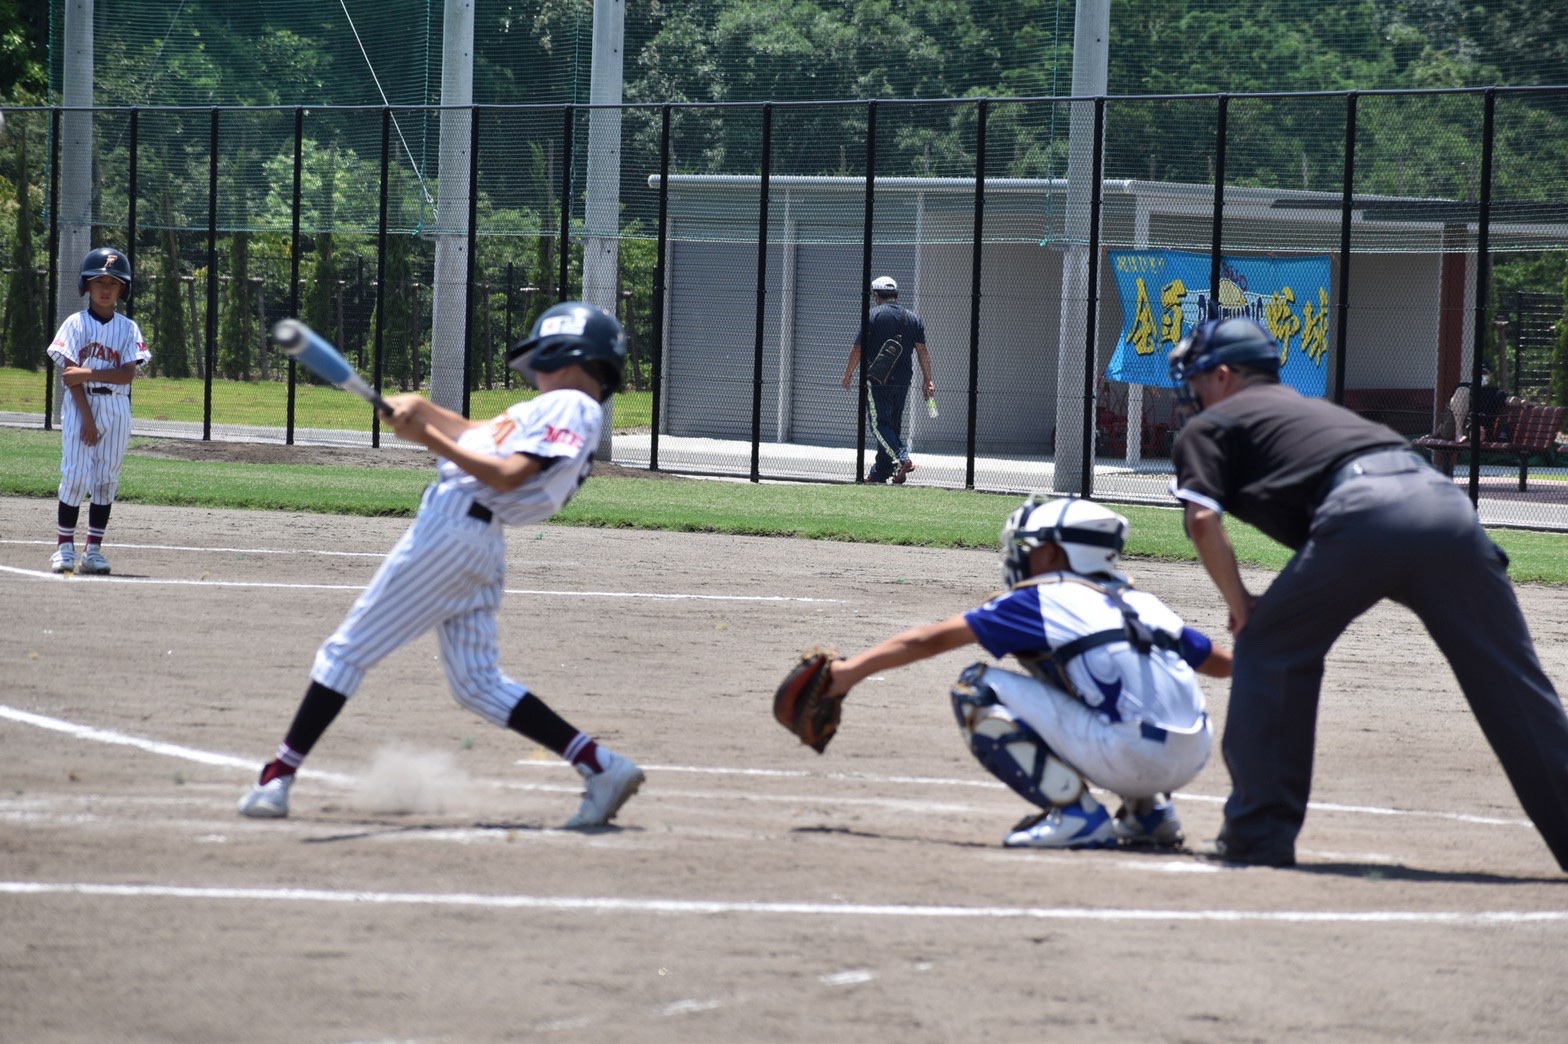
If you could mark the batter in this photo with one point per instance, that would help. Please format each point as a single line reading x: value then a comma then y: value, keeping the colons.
x: 447, y: 571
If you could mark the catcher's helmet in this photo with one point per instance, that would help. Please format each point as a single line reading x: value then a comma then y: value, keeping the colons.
x: 884, y: 286
x: 1091, y: 536
x: 105, y: 261
x: 1234, y: 342
x: 573, y: 332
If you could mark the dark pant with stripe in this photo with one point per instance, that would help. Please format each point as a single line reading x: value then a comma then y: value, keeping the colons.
x: 1401, y: 531
x: 886, y: 416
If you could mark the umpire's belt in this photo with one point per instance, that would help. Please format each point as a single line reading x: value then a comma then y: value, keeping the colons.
x: 1374, y: 462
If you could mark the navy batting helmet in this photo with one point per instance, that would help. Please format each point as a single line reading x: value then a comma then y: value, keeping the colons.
x: 105, y: 261
x: 573, y: 333
x: 1236, y: 342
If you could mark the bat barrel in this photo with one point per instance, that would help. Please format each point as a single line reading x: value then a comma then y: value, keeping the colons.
x: 289, y: 334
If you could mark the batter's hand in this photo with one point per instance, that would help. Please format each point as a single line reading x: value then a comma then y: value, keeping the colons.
x: 408, y: 417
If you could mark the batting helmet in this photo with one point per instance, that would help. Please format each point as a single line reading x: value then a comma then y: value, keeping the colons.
x: 573, y: 333
x: 884, y: 286
x: 1091, y: 536
x: 1236, y: 342
x: 105, y: 261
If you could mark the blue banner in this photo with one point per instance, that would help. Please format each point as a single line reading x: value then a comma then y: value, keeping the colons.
x: 1164, y: 294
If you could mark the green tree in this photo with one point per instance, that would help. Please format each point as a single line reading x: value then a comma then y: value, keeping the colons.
x: 171, y: 355
x: 235, y: 320
x: 26, y: 332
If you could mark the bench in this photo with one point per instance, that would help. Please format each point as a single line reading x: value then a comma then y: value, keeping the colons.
x: 1406, y: 410
x: 1528, y: 431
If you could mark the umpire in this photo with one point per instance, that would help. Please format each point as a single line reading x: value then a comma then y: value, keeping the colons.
x: 1368, y: 520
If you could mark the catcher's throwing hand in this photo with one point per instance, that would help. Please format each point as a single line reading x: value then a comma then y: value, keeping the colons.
x: 805, y: 703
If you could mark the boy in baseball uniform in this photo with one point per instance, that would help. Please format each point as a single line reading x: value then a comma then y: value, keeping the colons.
x: 98, y: 351
x: 447, y: 571
x: 1109, y: 698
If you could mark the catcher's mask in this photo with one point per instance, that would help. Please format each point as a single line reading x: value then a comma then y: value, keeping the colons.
x: 1091, y: 536
x: 573, y: 333
x: 105, y: 261
x: 1237, y: 342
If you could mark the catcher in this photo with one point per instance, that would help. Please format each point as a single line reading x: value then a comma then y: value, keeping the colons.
x: 1110, y: 698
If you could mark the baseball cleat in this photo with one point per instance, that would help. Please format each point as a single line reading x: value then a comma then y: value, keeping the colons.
x: 268, y: 800
x: 92, y: 563
x: 605, y: 792
x: 1149, y: 822
x: 1083, y: 824
x: 64, y: 559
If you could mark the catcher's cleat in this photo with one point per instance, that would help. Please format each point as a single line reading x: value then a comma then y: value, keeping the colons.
x: 1149, y: 823
x: 64, y: 559
x: 268, y: 800
x: 1083, y: 824
x: 605, y: 792
x: 92, y: 562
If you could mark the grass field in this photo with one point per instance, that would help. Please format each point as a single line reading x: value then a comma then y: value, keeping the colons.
x: 266, y: 402
x: 866, y: 514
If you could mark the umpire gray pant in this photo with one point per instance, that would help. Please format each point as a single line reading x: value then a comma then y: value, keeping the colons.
x: 1405, y: 532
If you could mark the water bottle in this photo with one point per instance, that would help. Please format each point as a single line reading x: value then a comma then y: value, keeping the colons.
x: 931, y: 406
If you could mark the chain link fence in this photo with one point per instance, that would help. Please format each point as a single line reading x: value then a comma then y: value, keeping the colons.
x: 1055, y: 250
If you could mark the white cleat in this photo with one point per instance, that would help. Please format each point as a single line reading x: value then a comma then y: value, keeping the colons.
x: 605, y: 792
x: 1083, y: 824
x: 267, y: 800
x: 64, y: 559
x: 92, y: 563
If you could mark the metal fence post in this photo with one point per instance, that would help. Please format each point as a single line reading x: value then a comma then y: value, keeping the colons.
x: 54, y: 259
x: 762, y: 292
x: 1341, y: 349
x: 473, y: 248
x: 982, y: 112
x: 865, y: 286
x: 563, y: 293
x: 660, y: 275
x: 299, y: 158
x: 1092, y: 307
x: 130, y: 217
x: 1219, y: 210
x: 381, y: 275
x: 211, y: 347
x: 1483, y: 282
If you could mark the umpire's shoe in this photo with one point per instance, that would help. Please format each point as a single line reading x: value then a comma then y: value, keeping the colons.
x: 1229, y: 851
x: 606, y: 791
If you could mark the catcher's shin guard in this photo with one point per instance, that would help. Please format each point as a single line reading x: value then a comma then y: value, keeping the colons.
x: 1009, y: 749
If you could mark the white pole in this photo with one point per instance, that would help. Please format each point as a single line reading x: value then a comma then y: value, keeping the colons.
x: 76, y: 165
x: 450, y: 288
x: 602, y: 193
x: 1091, y: 60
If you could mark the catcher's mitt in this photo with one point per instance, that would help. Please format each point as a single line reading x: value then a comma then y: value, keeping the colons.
x: 802, y: 704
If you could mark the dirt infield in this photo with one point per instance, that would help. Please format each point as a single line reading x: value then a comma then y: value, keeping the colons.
x: 754, y: 891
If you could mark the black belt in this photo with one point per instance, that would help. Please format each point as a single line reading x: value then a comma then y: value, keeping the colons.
x: 1403, y: 460
x: 100, y: 391
x: 479, y: 511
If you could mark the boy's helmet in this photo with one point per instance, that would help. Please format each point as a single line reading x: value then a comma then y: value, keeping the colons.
x: 568, y: 333
x: 105, y: 261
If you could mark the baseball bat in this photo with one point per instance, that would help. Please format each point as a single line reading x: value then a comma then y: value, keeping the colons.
x: 317, y: 355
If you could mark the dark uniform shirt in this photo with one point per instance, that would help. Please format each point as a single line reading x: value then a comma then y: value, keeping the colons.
x: 887, y: 320
x: 1263, y: 455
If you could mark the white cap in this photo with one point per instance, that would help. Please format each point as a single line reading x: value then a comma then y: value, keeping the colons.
x: 884, y: 285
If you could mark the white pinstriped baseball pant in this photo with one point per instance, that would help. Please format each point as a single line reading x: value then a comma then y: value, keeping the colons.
x: 93, y: 470
x: 446, y: 572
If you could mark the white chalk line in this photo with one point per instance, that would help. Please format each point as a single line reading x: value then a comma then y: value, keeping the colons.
x: 695, y: 907
x: 223, y: 550
x: 40, y: 574
x: 97, y: 735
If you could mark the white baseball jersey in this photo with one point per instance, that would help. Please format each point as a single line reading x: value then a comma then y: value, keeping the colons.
x: 561, y: 426
x: 448, y: 570
x: 1127, y: 720
x: 85, y: 340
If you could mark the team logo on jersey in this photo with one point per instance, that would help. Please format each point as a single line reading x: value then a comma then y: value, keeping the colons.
x: 563, y: 435
x: 95, y: 350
